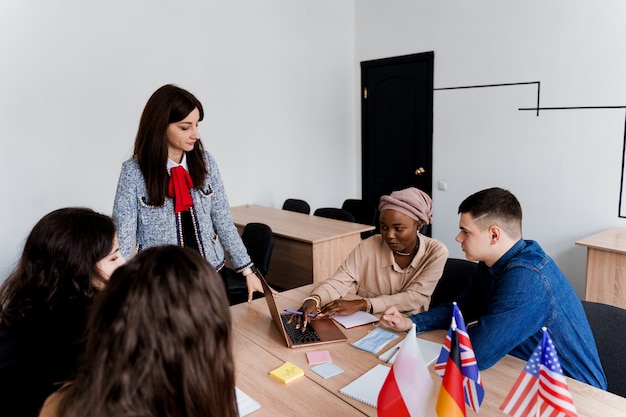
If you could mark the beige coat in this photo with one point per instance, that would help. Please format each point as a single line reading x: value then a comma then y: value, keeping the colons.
x: 371, y: 272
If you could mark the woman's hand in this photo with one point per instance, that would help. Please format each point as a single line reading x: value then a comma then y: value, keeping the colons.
x: 308, y: 309
x: 254, y: 285
x: 343, y: 307
x: 395, y: 320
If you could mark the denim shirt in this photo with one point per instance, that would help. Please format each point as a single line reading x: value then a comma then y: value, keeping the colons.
x: 521, y: 293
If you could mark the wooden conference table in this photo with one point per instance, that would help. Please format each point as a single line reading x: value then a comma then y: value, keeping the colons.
x: 307, y: 248
x: 259, y: 348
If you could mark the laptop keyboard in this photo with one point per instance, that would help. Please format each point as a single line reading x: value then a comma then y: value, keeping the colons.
x: 298, y: 336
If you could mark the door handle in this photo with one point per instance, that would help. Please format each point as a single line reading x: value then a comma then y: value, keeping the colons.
x: 420, y: 171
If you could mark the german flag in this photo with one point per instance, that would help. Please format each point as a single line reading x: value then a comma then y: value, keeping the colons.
x: 451, y: 399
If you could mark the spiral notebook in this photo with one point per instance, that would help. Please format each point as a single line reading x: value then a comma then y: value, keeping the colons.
x: 366, y: 387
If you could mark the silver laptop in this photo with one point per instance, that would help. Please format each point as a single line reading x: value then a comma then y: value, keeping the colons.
x: 319, y: 331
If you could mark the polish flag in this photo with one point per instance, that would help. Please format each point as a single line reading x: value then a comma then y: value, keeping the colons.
x: 409, y: 390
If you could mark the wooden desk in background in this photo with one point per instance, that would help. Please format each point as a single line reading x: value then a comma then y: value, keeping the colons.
x: 307, y: 248
x: 259, y: 349
x: 606, y: 267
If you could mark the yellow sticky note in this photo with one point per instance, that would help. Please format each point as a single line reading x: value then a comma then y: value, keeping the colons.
x: 287, y: 372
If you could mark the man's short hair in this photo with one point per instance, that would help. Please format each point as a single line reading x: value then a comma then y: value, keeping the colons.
x: 495, y: 206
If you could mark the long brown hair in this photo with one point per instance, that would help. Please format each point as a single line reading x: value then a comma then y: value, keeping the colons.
x: 159, y: 342
x: 168, y: 104
x: 58, y: 264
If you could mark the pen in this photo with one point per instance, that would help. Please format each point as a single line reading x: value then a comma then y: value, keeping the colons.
x: 393, y: 355
x: 298, y: 312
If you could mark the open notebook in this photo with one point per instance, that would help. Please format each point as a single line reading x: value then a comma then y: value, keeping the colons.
x: 366, y: 387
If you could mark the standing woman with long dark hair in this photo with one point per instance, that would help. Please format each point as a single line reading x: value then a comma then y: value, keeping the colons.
x: 159, y: 343
x: 171, y: 191
x: 67, y: 259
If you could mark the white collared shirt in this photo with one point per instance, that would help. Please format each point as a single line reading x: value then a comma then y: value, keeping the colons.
x: 171, y: 164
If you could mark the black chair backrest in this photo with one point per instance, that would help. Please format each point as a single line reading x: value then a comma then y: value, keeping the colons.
x: 334, y: 213
x: 259, y: 241
x: 363, y: 213
x: 457, y: 273
x: 606, y: 323
x: 299, y: 206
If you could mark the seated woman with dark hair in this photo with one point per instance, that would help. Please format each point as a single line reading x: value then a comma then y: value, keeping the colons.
x: 159, y: 343
x: 68, y: 257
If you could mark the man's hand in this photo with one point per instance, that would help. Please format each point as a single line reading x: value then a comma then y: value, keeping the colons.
x: 395, y: 320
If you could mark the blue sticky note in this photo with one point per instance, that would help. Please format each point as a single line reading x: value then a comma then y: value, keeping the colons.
x: 326, y: 370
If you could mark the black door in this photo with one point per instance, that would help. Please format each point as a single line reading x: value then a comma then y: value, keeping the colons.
x: 397, y: 124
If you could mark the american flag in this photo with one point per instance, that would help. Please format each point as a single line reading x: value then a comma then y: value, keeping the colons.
x: 541, y: 388
x: 472, y: 384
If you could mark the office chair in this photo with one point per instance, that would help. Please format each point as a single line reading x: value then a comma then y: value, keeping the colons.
x: 455, y: 277
x: 259, y: 241
x: 299, y: 206
x: 363, y: 213
x: 606, y: 323
x: 334, y: 213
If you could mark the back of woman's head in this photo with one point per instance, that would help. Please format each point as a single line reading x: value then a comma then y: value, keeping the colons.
x: 58, y: 263
x: 158, y: 341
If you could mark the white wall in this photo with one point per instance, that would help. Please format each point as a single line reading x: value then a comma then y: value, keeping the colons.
x: 276, y: 79
x: 279, y: 82
x: 564, y: 166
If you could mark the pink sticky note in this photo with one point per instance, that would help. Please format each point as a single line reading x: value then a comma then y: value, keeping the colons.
x: 319, y: 356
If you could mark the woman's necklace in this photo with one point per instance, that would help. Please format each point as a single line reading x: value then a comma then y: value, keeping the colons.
x: 406, y: 253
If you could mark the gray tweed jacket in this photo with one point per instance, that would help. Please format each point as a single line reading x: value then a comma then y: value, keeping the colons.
x: 141, y: 225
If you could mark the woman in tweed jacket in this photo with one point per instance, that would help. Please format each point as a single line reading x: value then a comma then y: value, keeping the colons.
x: 171, y: 191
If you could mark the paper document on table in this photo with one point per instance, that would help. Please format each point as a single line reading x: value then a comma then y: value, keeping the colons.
x: 245, y: 403
x: 355, y: 319
x: 429, y: 350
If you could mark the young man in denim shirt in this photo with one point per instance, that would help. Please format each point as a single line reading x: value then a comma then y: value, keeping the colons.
x: 516, y: 290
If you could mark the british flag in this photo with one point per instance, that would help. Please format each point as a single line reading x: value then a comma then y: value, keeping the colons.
x: 472, y: 384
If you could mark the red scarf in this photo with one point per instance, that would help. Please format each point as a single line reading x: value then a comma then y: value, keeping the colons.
x: 178, y: 188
